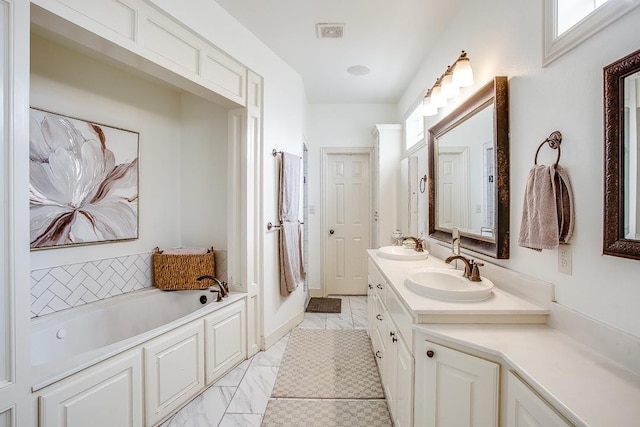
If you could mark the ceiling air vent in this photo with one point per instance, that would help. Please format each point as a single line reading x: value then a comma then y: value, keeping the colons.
x: 330, y: 31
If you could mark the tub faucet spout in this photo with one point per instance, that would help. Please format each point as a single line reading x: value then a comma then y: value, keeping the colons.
x: 223, y: 290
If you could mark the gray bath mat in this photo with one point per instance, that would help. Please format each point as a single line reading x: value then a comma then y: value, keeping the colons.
x: 322, y: 413
x: 324, y: 305
x: 331, y: 364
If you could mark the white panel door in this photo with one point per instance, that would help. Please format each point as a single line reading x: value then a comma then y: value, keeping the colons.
x: 460, y: 389
x: 16, y: 408
x: 453, y: 204
x: 347, y: 223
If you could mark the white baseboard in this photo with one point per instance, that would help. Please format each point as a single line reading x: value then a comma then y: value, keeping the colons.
x: 283, y: 330
x: 316, y: 293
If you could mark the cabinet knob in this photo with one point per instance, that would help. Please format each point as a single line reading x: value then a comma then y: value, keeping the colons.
x: 378, y: 354
x: 379, y: 286
x: 370, y: 286
x: 430, y: 353
x: 379, y: 317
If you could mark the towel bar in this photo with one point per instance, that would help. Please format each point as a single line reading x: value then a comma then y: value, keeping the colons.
x: 271, y: 226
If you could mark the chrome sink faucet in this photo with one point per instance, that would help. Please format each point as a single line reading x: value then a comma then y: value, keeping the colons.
x: 471, y: 268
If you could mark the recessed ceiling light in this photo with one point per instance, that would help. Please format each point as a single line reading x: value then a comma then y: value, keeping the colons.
x: 358, y: 70
x: 330, y: 31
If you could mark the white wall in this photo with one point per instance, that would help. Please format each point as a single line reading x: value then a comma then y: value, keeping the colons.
x: 505, y: 38
x: 66, y: 82
x: 203, y: 190
x: 284, y: 113
x: 336, y: 125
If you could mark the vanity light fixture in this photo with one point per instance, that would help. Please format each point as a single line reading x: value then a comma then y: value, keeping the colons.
x: 448, y: 85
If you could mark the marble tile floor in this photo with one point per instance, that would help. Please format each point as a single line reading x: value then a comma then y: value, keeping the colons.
x: 241, y: 396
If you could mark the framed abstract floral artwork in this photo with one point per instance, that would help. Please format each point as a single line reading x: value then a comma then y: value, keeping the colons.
x: 83, y: 182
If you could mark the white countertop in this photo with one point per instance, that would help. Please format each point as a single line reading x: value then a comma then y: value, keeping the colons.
x: 499, y: 303
x: 585, y: 386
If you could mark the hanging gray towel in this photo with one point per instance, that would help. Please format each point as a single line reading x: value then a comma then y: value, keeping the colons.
x: 547, y: 213
x: 291, y: 266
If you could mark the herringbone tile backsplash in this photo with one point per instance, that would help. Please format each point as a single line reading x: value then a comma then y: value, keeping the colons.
x: 58, y: 288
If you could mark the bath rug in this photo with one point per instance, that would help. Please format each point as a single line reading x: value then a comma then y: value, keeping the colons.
x: 322, y: 413
x: 324, y: 305
x: 330, y: 364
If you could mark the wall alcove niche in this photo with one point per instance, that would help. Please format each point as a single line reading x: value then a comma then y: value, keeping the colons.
x: 183, y: 146
x: 198, y: 112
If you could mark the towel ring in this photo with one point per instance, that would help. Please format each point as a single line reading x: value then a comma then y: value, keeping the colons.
x: 423, y: 183
x: 554, y: 141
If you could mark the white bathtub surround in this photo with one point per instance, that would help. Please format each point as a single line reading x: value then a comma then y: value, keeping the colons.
x: 66, y: 286
x: 67, y: 342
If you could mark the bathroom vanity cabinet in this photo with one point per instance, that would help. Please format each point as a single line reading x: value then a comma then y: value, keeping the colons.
x: 427, y: 383
x: 395, y: 361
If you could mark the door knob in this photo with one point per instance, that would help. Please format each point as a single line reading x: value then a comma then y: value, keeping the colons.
x: 331, y: 231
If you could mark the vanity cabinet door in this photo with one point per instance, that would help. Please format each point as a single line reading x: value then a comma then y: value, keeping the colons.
x: 225, y: 340
x: 107, y: 395
x: 459, y: 389
x: 526, y: 409
x: 403, y: 416
x: 174, y: 370
x: 398, y: 381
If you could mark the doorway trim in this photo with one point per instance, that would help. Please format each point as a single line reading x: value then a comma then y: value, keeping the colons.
x: 325, y: 152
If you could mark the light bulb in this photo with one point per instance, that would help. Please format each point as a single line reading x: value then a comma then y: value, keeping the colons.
x: 449, y: 88
x: 428, y: 109
x: 462, y: 72
x: 437, y: 100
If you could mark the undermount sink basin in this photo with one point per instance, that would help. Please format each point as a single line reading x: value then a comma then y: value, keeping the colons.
x: 400, y: 253
x: 447, y: 284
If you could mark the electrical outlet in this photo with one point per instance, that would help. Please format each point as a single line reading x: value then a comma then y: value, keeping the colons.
x: 564, y: 259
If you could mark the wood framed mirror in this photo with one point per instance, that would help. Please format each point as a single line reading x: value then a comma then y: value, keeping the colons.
x: 621, y: 235
x: 469, y: 172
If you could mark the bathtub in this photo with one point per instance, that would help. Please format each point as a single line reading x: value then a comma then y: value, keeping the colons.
x: 66, y: 342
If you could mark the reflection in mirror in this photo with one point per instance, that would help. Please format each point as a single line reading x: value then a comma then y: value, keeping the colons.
x: 631, y: 134
x: 466, y: 187
x: 621, y: 235
x: 469, y: 172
